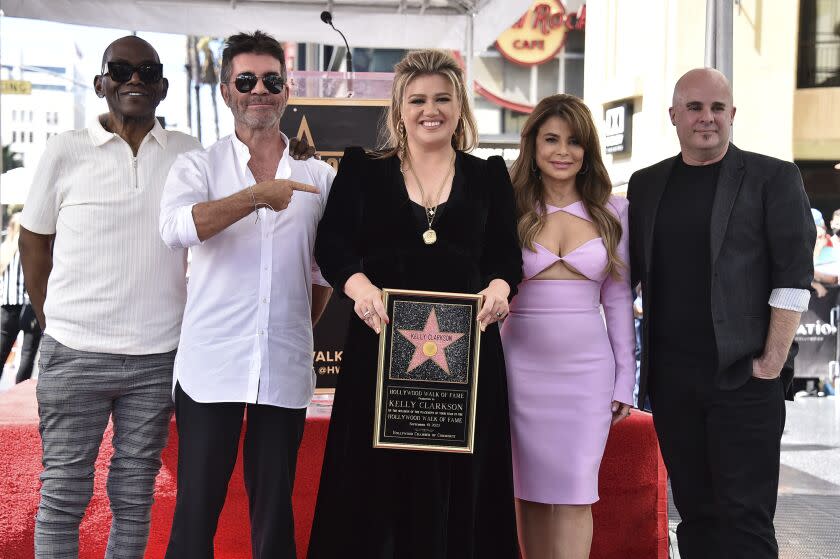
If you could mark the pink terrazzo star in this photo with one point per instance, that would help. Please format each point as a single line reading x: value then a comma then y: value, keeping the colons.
x: 430, y: 343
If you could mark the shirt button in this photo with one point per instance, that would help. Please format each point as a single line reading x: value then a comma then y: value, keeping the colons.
x: 262, y: 332
x: 265, y: 299
x: 265, y: 268
x: 267, y: 235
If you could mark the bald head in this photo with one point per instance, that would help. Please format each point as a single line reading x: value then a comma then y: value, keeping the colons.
x: 131, y: 43
x: 701, y: 76
x: 703, y: 113
x: 137, y: 85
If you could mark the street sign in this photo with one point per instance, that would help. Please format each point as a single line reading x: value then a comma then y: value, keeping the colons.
x: 15, y: 87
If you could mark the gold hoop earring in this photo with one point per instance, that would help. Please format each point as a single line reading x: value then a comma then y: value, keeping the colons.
x: 459, y: 130
x: 402, y: 139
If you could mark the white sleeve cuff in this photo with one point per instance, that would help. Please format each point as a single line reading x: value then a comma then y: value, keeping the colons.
x: 185, y: 225
x: 177, y: 227
x: 790, y: 298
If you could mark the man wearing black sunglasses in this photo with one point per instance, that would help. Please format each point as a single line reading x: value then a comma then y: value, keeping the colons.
x: 113, y: 309
x: 255, y: 291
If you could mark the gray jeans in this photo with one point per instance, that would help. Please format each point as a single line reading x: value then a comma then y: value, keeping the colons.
x: 78, y: 392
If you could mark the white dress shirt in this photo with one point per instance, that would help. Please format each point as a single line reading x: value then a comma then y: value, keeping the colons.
x: 114, y: 286
x: 247, y: 330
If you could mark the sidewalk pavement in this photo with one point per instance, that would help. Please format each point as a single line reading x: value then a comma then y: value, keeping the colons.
x: 808, y: 509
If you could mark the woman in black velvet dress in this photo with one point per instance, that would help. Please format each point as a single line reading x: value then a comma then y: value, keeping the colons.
x: 398, y: 504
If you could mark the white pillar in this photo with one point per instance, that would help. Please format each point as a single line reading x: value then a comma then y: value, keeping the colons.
x: 719, y: 15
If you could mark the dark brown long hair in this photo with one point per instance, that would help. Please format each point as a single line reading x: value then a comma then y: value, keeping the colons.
x: 593, y: 185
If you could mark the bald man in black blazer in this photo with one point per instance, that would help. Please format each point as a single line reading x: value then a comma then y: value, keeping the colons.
x: 721, y: 242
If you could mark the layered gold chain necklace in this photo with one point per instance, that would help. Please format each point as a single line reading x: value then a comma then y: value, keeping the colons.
x: 429, y: 235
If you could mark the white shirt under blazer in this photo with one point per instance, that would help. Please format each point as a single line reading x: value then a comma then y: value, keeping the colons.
x: 115, y: 287
x: 247, y: 330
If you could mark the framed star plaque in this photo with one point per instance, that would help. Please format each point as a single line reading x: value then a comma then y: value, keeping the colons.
x: 427, y: 377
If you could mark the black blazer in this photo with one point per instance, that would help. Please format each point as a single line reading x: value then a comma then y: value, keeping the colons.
x: 762, y: 238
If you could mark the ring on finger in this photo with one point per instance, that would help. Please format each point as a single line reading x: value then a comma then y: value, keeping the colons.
x: 499, y: 314
x: 366, y: 314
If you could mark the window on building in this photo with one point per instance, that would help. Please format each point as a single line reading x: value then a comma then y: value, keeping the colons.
x: 14, y: 136
x: 49, y: 87
x: 819, y: 44
x: 512, y: 121
x: 48, y: 69
x: 31, y: 116
x: 573, y: 54
x: 14, y: 116
x: 376, y: 60
x: 31, y: 137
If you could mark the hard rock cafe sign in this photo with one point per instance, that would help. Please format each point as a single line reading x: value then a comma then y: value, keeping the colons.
x: 539, y: 33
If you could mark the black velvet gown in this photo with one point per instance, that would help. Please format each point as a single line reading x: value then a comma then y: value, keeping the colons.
x: 399, y: 504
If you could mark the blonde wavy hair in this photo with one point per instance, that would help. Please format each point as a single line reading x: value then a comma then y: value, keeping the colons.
x: 427, y: 62
x: 593, y: 185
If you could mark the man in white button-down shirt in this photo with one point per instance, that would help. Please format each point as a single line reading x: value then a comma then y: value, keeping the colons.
x: 249, y: 214
x: 113, y: 309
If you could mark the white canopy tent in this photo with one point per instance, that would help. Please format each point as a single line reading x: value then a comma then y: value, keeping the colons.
x: 449, y: 24
x: 468, y: 26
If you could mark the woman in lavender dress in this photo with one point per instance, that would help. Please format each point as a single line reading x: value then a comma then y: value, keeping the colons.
x: 570, y: 375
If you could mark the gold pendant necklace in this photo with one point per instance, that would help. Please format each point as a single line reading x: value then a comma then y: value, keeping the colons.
x: 429, y: 235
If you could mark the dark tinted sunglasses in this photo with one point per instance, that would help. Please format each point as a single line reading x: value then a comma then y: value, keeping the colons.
x: 121, y: 72
x: 247, y: 81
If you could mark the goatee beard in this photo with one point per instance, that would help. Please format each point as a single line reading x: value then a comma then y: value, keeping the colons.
x: 257, y: 123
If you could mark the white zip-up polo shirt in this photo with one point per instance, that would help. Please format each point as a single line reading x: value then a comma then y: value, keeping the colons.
x: 115, y: 287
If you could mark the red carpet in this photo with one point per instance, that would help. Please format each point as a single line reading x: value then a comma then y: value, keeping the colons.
x: 630, y: 519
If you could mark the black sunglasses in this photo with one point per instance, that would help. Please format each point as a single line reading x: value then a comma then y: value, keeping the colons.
x: 247, y: 81
x: 121, y: 72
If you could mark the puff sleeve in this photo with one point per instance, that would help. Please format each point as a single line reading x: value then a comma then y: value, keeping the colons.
x: 501, y: 256
x: 337, y: 249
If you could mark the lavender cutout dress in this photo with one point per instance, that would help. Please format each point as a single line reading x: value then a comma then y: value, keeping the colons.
x: 565, y: 367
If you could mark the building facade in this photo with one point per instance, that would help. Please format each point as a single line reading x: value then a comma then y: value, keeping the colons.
x: 786, y: 81
x: 55, y: 103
